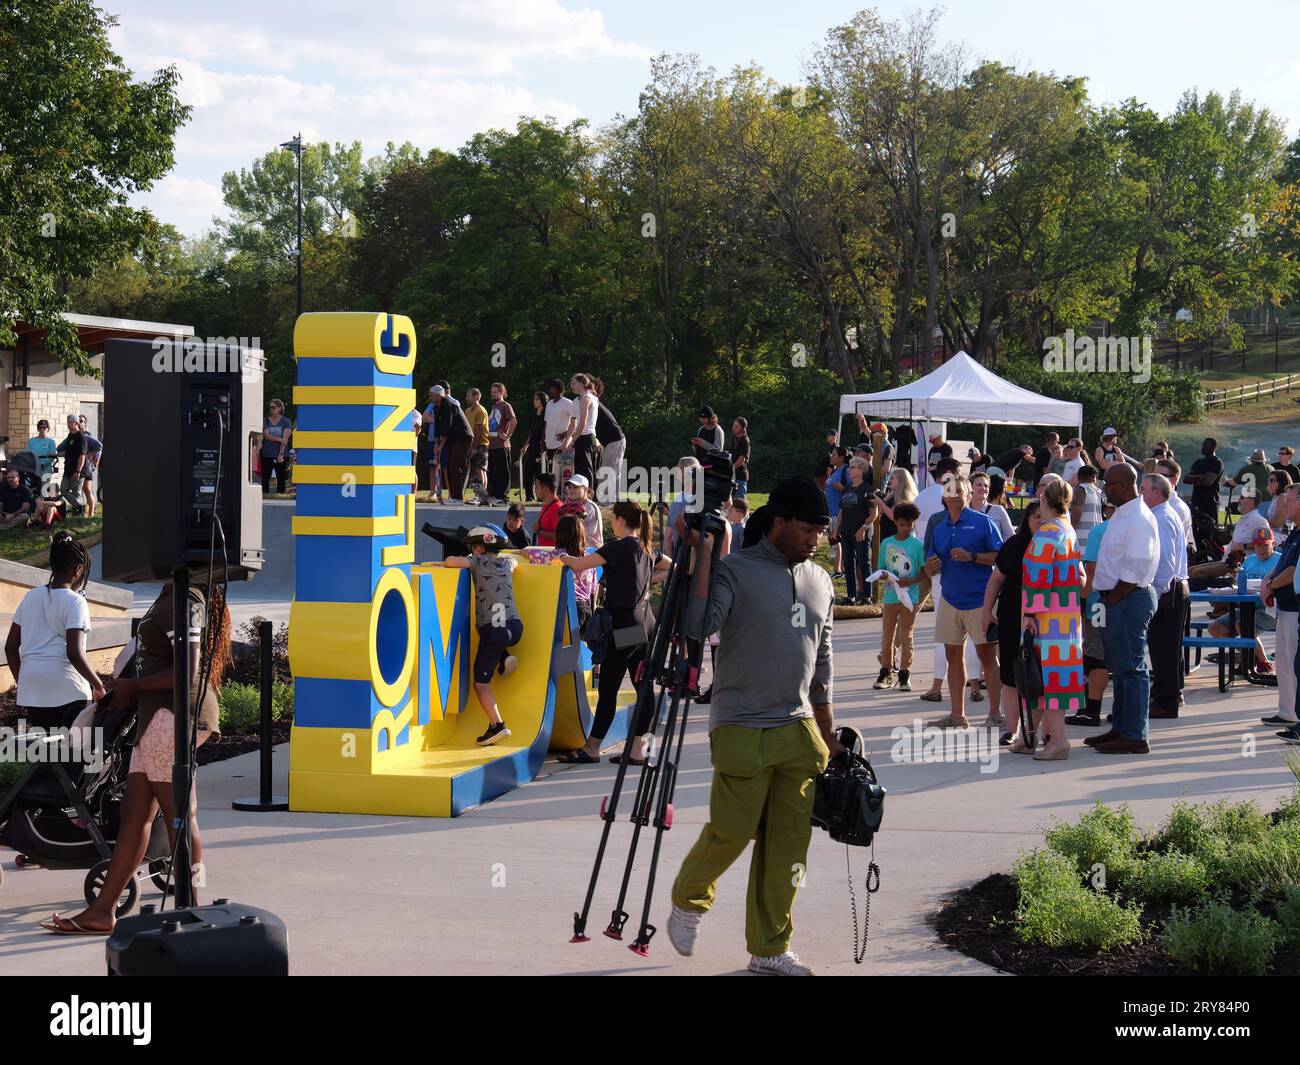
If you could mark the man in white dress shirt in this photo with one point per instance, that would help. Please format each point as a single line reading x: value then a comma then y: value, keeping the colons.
x: 1165, y: 637
x: 1126, y: 567
x: 1170, y: 469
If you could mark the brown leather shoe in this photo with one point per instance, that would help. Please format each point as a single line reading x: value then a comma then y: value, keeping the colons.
x: 1157, y: 713
x: 1105, y: 737
x: 1120, y: 745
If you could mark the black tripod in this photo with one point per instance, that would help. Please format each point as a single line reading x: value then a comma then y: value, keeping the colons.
x: 672, y: 667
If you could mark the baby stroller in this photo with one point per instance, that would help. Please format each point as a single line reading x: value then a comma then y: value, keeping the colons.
x: 29, y: 470
x: 65, y: 815
x: 1210, y: 539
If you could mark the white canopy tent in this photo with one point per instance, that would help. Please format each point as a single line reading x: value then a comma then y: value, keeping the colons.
x: 961, y: 390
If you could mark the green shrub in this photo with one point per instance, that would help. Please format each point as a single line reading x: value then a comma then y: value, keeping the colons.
x: 1187, y: 830
x: 241, y: 705
x: 1289, y: 811
x: 1216, y: 940
x: 10, y: 772
x: 282, y: 701
x: 1242, y: 822
x: 1250, y: 868
x: 1056, y: 910
x: 1101, y: 836
x: 1288, y: 917
x: 1167, y: 877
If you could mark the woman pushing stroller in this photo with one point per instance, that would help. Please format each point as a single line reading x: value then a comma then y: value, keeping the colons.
x: 148, y: 782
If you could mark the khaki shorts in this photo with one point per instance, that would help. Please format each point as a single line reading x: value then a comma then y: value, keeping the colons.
x: 953, y: 626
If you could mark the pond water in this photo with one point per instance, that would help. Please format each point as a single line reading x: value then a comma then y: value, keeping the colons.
x: 1236, y: 442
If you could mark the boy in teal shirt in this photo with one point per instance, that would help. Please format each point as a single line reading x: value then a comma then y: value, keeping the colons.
x: 43, y: 446
x: 903, y: 556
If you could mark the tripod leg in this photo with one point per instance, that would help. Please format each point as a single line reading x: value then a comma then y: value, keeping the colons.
x: 645, y: 710
x: 675, y: 741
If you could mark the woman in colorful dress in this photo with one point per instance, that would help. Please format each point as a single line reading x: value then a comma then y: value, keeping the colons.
x: 1052, y: 583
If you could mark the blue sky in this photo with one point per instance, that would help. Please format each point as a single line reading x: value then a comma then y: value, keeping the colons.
x: 436, y: 71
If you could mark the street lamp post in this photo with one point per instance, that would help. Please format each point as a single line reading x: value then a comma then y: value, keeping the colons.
x: 295, y: 146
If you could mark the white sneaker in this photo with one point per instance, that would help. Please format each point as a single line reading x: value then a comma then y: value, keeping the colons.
x: 683, y: 930
x: 787, y: 964
x: 510, y: 665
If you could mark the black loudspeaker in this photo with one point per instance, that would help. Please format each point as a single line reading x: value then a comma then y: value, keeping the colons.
x: 224, y: 939
x: 179, y: 416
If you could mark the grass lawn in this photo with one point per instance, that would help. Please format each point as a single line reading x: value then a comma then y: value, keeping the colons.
x: 18, y: 545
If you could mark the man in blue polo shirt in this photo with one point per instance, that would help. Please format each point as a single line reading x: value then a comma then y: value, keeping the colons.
x: 964, y: 547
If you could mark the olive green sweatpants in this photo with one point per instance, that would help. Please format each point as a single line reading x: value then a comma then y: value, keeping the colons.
x: 762, y: 790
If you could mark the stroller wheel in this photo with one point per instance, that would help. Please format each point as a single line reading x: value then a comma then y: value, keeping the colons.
x: 95, y: 883
x: 159, y: 870
x: 20, y: 860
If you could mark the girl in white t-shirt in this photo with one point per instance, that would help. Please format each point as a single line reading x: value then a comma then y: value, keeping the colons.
x: 584, y: 442
x: 46, y: 648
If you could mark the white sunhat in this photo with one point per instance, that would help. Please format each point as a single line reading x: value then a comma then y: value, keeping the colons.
x: 579, y: 480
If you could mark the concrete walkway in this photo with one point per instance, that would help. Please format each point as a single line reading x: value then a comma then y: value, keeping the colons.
x: 494, y: 891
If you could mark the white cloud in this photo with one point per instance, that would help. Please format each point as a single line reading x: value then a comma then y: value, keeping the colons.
x: 433, y: 74
x: 469, y: 38
x: 187, y: 203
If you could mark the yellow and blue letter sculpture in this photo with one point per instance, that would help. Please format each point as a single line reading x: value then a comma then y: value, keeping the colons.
x: 379, y: 646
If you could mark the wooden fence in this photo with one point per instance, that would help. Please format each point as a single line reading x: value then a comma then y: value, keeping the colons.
x: 1251, y: 393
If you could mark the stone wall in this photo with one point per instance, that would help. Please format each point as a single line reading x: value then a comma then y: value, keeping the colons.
x: 27, y: 406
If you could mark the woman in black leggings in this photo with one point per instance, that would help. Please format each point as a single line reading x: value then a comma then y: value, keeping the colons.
x: 629, y: 571
x: 535, y: 447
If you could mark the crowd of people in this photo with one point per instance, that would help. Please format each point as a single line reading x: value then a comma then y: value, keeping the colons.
x: 29, y: 494
x: 1096, y: 578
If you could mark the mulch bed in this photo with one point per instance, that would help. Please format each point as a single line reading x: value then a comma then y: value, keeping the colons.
x: 979, y: 921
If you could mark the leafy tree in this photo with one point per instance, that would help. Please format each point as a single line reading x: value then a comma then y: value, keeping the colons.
x: 78, y: 135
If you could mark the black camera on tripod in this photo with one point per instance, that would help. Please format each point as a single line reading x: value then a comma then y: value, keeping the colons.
x: 718, y: 480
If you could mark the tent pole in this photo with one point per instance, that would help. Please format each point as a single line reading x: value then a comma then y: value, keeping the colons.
x: 985, y: 449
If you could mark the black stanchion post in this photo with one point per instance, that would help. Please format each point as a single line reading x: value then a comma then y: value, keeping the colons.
x: 265, y: 800
x: 182, y: 872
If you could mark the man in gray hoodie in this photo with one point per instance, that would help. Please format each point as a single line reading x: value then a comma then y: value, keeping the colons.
x: 771, y: 728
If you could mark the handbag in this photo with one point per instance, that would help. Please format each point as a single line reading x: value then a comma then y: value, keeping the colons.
x: 849, y: 803
x: 1028, y: 672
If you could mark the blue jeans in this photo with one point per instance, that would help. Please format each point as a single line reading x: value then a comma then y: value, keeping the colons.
x: 741, y: 490
x: 1124, y: 635
x: 856, y: 553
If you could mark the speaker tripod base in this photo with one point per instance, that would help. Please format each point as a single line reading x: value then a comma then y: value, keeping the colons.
x: 256, y: 805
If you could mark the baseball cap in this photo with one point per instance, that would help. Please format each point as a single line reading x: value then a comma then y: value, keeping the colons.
x: 705, y: 412
x: 490, y: 536
x: 437, y: 390
x: 1110, y: 430
x: 799, y: 499
x: 1263, y: 535
x: 579, y: 480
